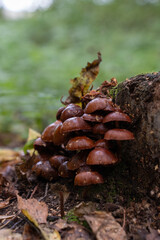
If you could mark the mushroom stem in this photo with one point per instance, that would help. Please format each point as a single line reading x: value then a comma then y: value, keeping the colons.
x: 61, y: 199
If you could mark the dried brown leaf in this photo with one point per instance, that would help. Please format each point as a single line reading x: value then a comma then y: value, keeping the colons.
x: 81, y: 85
x: 38, y: 210
x: 72, y: 231
x: 7, y: 154
x: 6, y: 234
x: 105, y: 227
x: 84, y: 208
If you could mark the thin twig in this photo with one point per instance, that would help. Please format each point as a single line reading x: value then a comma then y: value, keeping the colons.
x: 34, y: 190
x: 45, y: 194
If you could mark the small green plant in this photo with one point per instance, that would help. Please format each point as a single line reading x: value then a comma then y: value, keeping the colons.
x: 71, y: 217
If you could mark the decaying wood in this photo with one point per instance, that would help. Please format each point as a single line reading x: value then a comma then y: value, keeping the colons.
x: 139, y: 96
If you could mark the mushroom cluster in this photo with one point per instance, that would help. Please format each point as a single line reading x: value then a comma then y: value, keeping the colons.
x: 82, y: 138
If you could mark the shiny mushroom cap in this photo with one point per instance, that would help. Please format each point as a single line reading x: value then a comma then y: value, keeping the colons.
x: 72, y: 110
x: 88, y: 178
x: 77, y: 160
x: 99, y: 128
x: 116, y: 116
x: 74, y: 124
x: 60, y: 110
x: 95, y: 105
x: 101, y: 156
x: 57, y: 160
x: 79, y: 143
x: 118, y: 134
x: 48, y: 131
x: 59, y: 137
x: 44, y: 169
x: 64, y: 172
x: 92, y: 117
x: 39, y: 144
x: 103, y: 143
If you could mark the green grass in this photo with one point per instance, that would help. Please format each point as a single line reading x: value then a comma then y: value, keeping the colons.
x: 39, y: 55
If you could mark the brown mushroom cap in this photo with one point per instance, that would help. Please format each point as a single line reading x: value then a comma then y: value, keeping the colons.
x: 57, y: 160
x: 72, y: 110
x: 92, y: 117
x: 64, y: 172
x: 59, y: 137
x: 74, y: 124
x: 103, y: 143
x: 118, y: 134
x: 96, y: 104
x: 44, y: 169
x: 77, y: 160
x: 101, y: 156
x: 88, y: 178
x: 109, y: 106
x: 116, y: 116
x: 99, y: 128
x: 79, y: 143
x: 39, y: 144
x: 58, y: 115
x: 48, y: 131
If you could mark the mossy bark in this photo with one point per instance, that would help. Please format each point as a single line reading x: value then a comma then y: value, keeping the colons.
x: 139, y: 96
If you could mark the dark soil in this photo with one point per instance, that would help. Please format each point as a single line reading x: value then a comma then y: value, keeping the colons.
x: 138, y: 214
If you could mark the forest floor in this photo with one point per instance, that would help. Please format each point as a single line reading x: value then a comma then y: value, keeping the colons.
x: 135, y: 217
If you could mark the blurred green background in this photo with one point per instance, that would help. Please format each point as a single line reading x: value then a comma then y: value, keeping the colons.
x: 42, y: 51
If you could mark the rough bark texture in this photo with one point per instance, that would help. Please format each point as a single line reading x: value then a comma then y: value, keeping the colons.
x: 140, y: 97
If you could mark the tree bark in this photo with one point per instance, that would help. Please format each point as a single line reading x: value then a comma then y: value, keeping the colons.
x: 139, y: 96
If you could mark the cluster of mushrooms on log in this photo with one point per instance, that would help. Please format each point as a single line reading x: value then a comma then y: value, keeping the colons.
x: 87, y: 133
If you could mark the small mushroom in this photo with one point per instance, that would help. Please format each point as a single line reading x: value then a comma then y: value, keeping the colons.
x: 118, y: 134
x: 57, y: 160
x: 92, y: 117
x: 103, y: 143
x: 60, y: 110
x: 99, y: 128
x: 88, y: 178
x: 101, y: 156
x: 48, y: 131
x: 64, y: 172
x: 59, y: 137
x: 96, y: 104
x: 79, y: 143
x: 77, y: 160
x: 109, y: 106
x: 72, y: 110
x: 44, y: 169
x: 116, y: 116
x: 74, y: 124
x: 39, y: 144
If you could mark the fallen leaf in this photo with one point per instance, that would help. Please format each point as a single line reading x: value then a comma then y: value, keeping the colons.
x: 30, y: 233
x: 34, y: 223
x: 80, y: 85
x: 4, y: 203
x: 46, y: 234
x: 72, y: 231
x: 7, y: 154
x: 8, y: 234
x: 54, y: 236
x: 32, y: 135
x: 38, y: 210
x: 104, y: 226
x: 84, y: 208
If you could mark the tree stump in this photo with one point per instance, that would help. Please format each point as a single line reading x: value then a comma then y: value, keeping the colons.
x: 139, y: 96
